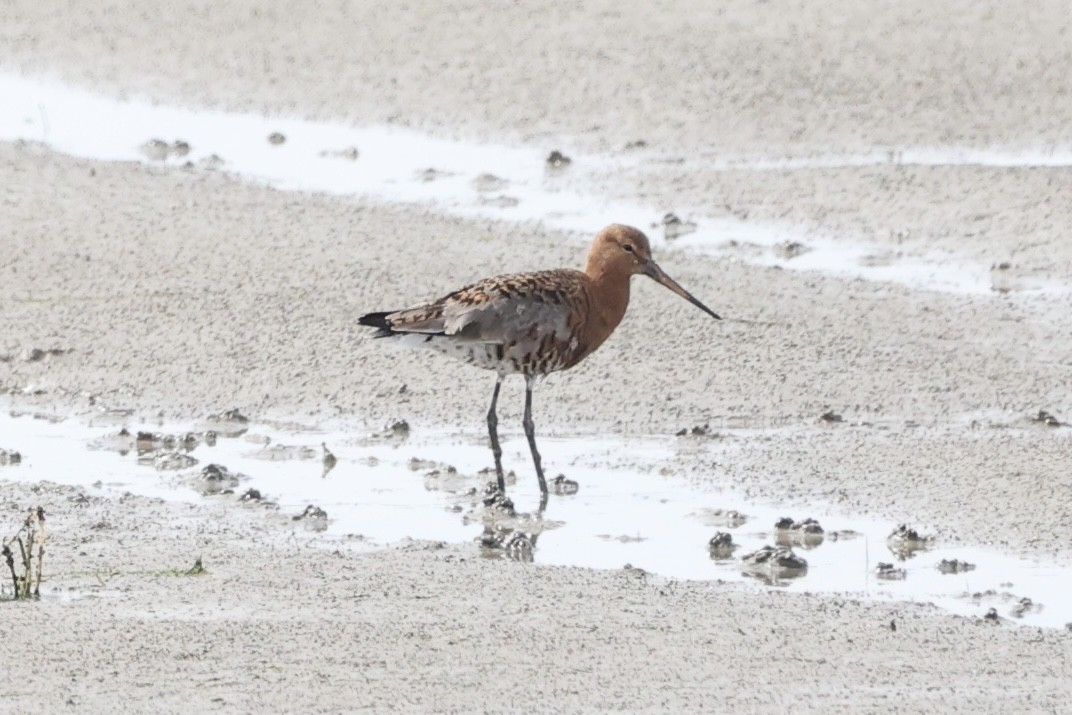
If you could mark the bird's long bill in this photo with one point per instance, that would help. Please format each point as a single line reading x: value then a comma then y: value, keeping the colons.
x: 652, y: 270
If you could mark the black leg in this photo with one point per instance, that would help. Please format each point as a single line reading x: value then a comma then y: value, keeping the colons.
x: 530, y: 432
x: 493, y: 432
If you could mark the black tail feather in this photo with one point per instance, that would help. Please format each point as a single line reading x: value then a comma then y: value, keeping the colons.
x: 378, y: 321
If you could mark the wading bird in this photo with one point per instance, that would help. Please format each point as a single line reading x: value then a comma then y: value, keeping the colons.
x: 532, y: 324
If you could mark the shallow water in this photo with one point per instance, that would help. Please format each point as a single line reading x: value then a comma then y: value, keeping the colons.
x: 630, y: 508
x: 511, y: 183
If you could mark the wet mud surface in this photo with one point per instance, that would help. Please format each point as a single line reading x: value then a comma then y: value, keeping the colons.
x: 619, y: 507
x: 512, y: 183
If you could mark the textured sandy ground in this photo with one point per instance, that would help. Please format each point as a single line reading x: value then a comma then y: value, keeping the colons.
x: 696, y: 81
x: 278, y: 626
x: 187, y: 292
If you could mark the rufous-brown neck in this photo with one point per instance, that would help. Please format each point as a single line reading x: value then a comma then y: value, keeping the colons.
x: 610, y: 295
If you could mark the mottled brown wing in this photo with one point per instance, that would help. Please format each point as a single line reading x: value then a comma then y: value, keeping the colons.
x: 502, y: 310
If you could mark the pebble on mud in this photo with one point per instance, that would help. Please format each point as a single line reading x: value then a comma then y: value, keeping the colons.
x: 10, y: 456
x: 831, y: 417
x: 276, y: 138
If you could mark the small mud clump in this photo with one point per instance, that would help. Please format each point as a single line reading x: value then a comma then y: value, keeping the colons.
x: 1024, y: 607
x: 251, y: 494
x: 155, y: 150
x: 493, y: 499
x: 160, y: 150
x: 432, y: 174
x: 563, y: 486
x: 1046, y: 419
x: 211, y: 162
x: 790, y: 249
x: 889, y: 572
x: 276, y: 138
x: 168, y: 461
x: 557, y: 160
x: 729, y: 518
x: 284, y: 452
x: 10, y: 456
x: 230, y: 423
x: 674, y: 226
x: 807, y: 526
x: 147, y: 442
x: 771, y: 564
x: 216, y: 478
x: 949, y: 566
x: 37, y: 354
x: 721, y: 547
x: 807, y: 533
x: 502, y: 201
x: 314, y: 518
x: 519, y: 547
x: 397, y: 428
x: 489, y: 472
x: 831, y: 417
x: 504, y: 542
x: 992, y: 616
x: 489, y: 182
x: 703, y: 430
x: 904, y: 541
x: 350, y: 153
x: 721, y: 540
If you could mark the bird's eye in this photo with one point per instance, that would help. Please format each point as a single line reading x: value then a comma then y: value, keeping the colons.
x: 628, y: 247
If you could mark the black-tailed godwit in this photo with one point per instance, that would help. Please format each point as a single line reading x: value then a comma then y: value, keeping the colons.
x: 532, y: 324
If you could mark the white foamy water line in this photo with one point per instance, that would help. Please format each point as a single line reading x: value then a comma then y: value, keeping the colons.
x: 625, y: 512
x: 393, y: 166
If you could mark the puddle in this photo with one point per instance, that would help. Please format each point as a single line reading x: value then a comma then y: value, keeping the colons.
x: 508, y: 183
x: 380, y: 490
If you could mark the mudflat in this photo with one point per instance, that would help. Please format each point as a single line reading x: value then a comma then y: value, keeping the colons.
x: 181, y: 292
